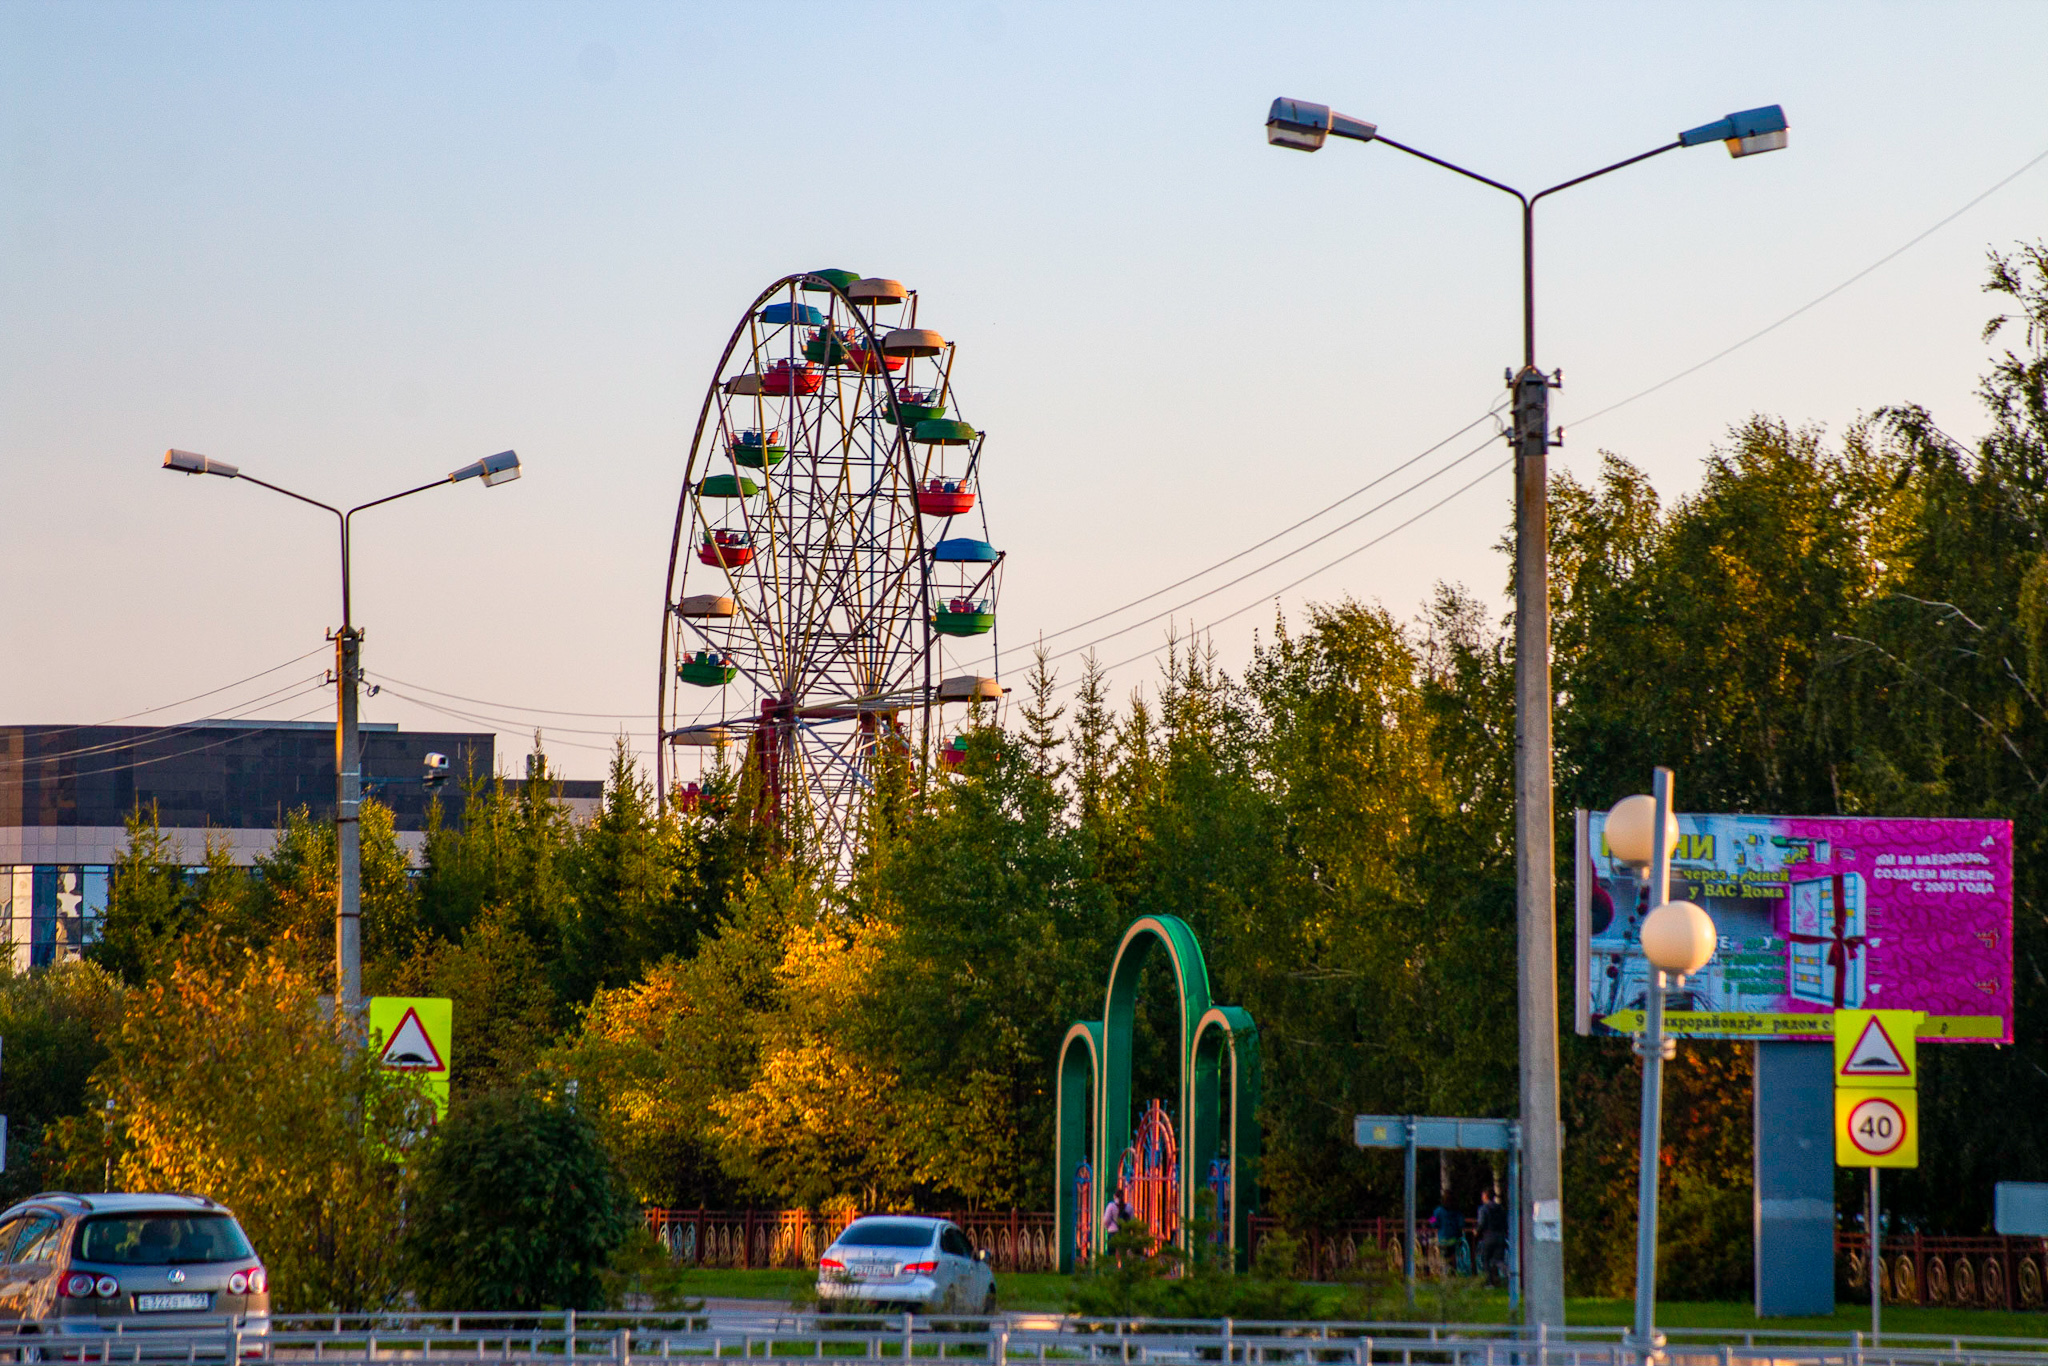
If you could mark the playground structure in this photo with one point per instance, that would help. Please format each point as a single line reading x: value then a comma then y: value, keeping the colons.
x: 830, y: 548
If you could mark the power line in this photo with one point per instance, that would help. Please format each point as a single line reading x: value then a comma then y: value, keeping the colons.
x: 155, y: 733
x: 514, y: 706
x: 1819, y: 299
x: 1228, y: 616
x: 1281, y: 559
x: 1260, y: 545
x: 149, y: 711
x: 499, y: 724
x: 1807, y: 307
x: 240, y: 732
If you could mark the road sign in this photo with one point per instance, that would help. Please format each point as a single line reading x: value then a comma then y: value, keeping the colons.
x: 416, y: 1035
x: 2020, y: 1209
x: 1414, y: 1132
x: 1391, y: 1131
x: 1877, y: 1128
x: 1876, y: 1048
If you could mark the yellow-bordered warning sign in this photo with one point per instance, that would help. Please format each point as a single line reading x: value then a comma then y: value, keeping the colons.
x: 1877, y: 1128
x: 1877, y: 1048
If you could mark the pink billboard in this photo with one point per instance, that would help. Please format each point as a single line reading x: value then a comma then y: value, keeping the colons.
x: 1813, y: 914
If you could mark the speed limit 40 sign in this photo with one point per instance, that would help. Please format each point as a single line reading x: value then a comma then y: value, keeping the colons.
x: 1877, y: 1128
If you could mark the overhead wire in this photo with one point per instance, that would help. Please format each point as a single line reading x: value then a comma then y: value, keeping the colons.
x: 240, y: 732
x: 1820, y: 299
x: 1284, y: 531
x: 499, y: 723
x: 1281, y: 559
x: 514, y: 706
x: 1690, y: 370
x: 149, y: 711
x: 154, y: 733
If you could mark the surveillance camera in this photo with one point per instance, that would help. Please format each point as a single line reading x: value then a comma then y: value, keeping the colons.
x: 436, y: 770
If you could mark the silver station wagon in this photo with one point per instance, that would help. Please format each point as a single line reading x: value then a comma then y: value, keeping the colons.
x: 75, y: 1268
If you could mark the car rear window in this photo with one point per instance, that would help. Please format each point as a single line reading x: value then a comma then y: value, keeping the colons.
x: 885, y: 1233
x: 157, y: 1239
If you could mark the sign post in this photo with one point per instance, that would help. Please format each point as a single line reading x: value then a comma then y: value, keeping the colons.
x: 1411, y: 1132
x: 1877, y: 1111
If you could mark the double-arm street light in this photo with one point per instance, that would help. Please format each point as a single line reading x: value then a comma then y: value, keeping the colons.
x: 1678, y: 940
x: 1305, y: 127
x: 497, y: 469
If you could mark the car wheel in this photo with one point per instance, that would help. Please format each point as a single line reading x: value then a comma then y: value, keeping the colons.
x: 988, y: 1303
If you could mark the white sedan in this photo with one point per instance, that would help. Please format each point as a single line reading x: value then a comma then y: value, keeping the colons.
x: 907, y: 1263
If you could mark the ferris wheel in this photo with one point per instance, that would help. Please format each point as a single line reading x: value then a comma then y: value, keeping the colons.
x: 831, y: 547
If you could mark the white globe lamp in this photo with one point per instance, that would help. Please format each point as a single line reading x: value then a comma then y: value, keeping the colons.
x: 1632, y: 827
x: 1678, y: 938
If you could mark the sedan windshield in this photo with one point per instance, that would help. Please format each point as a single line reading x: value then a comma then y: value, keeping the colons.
x: 886, y: 1233
x: 158, y: 1239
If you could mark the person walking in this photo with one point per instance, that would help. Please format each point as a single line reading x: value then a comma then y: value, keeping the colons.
x: 1493, y: 1238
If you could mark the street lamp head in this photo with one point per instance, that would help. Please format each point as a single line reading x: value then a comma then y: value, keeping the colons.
x: 1678, y: 937
x: 1746, y: 133
x: 494, y: 470
x: 185, y: 462
x: 1632, y: 829
x: 1303, y: 126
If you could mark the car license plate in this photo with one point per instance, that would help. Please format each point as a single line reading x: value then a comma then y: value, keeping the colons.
x: 147, y: 1304
x: 871, y: 1271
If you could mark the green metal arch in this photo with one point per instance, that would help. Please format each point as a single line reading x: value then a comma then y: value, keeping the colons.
x: 1191, y: 983
x: 1080, y: 1071
x: 1208, y: 1034
x: 1229, y: 1030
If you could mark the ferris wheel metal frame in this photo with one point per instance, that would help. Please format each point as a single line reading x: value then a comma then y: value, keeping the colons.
x: 840, y: 636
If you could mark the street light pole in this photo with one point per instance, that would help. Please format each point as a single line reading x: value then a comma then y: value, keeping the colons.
x: 1303, y: 126
x: 1677, y: 938
x: 1655, y: 1050
x: 496, y: 469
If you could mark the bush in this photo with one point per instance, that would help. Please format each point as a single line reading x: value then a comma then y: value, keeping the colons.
x: 515, y: 1207
x: 1133, y: 1281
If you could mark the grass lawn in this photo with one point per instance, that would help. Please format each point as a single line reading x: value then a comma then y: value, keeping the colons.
x: 1847, y: 1318
x: 1047, y: 1292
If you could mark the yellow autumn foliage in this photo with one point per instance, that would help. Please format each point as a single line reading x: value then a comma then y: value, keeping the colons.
x: 229, y: 1081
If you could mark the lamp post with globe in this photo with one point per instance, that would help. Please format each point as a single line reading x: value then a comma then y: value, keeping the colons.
x: 1678, y: 940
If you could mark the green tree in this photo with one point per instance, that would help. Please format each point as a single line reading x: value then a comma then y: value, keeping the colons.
x: 630, y: 876
x: 55, y: 1022
x: 515, y: 1207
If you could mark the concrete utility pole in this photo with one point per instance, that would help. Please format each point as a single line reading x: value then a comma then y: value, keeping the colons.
x: 1304, y: 127
x: 501, y: 468
x: 348, y: 819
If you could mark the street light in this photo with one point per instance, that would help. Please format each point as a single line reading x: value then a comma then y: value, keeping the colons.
x: 1304, y: 126
x: 1678, y: 940
x: 501, y: 468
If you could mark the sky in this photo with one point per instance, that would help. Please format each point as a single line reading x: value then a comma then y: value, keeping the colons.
x: 350, y: 247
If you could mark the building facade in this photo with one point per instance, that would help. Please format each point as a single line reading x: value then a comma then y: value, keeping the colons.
x: 66, y: 793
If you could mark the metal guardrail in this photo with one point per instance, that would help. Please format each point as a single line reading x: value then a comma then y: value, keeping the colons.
x: 768, y: 1339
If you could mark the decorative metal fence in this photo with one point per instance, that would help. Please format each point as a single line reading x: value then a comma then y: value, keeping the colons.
x: 1986, y: 1273
x: 1983, y: 1273
x: 1016, y: 1240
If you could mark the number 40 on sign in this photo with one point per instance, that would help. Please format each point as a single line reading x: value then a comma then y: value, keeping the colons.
x: 1877, y: 1128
